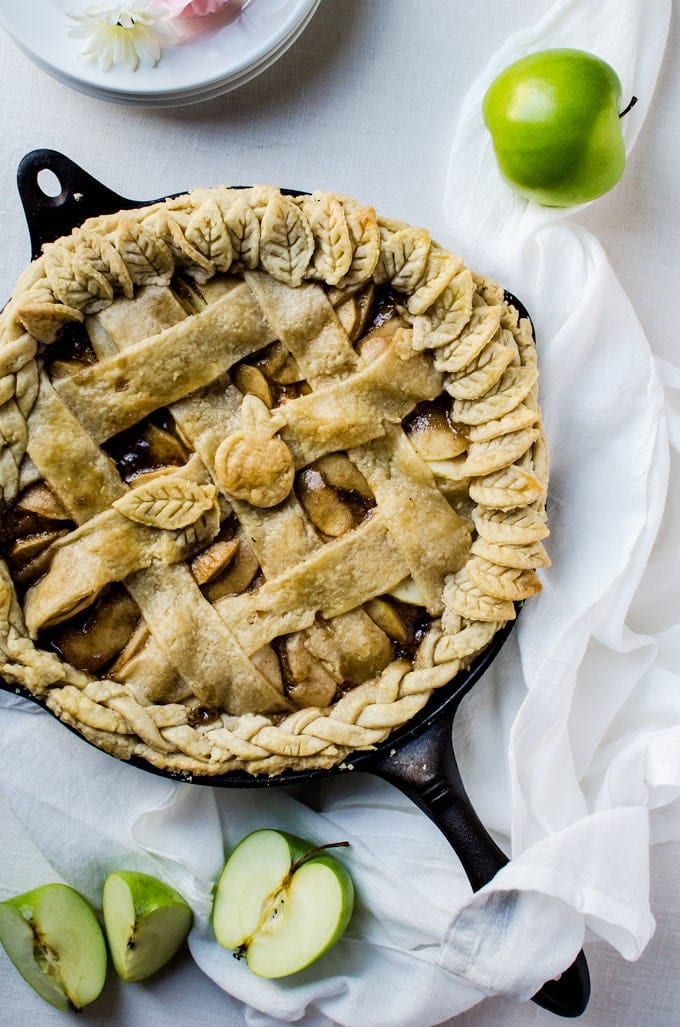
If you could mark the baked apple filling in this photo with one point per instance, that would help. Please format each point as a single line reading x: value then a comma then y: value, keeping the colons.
x: 280, y: 474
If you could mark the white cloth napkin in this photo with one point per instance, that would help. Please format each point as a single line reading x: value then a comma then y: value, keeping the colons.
x: 594, y: 727
x: 569, y: 745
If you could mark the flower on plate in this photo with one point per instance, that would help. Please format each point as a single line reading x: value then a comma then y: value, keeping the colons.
x: 123, y: 32
x: 194, y: 8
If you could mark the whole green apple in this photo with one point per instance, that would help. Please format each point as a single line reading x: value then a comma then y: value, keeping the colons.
x: 556, y: 128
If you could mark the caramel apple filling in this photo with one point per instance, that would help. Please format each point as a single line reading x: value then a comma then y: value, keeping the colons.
x: 310, y: 667
x: 272, y: 472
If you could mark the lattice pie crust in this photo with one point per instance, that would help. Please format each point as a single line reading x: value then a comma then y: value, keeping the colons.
x: 272, y: 471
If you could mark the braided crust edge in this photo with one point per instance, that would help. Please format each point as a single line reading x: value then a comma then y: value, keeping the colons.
x: 454, y: 312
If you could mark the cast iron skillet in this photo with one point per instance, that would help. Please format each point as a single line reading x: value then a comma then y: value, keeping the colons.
x: 418, y: 758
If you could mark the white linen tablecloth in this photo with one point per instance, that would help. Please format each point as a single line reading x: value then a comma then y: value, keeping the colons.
x: 365, y: 104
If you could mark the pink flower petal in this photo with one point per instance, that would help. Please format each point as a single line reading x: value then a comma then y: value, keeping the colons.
x: 194, y: 9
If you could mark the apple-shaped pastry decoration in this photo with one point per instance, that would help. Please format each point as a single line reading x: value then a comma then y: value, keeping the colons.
x: 555, y: 123
x: 53, y: 937
x: 146, y: 922
x: 281, y: 902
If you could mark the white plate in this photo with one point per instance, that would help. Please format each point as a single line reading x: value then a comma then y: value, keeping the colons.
x: 219, y: 53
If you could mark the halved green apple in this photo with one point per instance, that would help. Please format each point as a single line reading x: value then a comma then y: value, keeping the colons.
x: 281, y: 902
x: 146, y: 922
x: 53, y: 937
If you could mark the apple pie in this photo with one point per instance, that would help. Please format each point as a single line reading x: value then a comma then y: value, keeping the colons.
x: 272, y: 471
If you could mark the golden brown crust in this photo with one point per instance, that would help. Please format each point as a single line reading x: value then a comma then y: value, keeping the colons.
x: 209, y: 681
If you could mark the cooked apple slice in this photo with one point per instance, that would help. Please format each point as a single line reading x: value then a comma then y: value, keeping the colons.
x: 281, y: 902
x: 146, y: 922
x: 53, y: 937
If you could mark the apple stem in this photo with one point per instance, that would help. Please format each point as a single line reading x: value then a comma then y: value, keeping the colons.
x: 312, y: 852
x: 633, y: 101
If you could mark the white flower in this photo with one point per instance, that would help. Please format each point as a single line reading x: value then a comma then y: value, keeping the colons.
x: 123, y: 32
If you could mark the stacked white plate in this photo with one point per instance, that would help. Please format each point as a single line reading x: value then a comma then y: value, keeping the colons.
x: 214, y: 55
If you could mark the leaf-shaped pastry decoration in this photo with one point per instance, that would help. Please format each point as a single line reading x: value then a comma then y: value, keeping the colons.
x: 487, y: 457
x: 208, y: 232
x: 42, y: 315
x: 512, y: 527
x: 185, y: 205
x: 511, y: 583
x: 167, y: 502
x: 523, y: 335
x: 286, y: 244
x: 39, y: 290
x: 403, y: 258
x: 185, y: 254
x: 332, y: 244
x: 389, y: 227
x: 75, y: 282
x: 448, y: 316
x: 523, y: 557
x: 258, y: 197
x: 440, y: 270
x: 538, y: 459
x: 44, y: 320
x: 148, y: 259
x: 489, y: 291
x: 244, y: 231
x: 482, y: 373
x: 201, y: 532
x: 522, y: 416
x: 507, y: 489
x: 105, y: 258
x: 364, y: 233
x: 510, y: 390
x: 481, y: 326
x: 464, y: 597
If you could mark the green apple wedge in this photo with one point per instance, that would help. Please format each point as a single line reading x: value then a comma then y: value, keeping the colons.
x: 53, y: 937
x: 146, y: 922
x: 281, y: 902
x: 555, y: 123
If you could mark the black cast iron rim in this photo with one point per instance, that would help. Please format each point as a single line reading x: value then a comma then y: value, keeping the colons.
x: 48, y: 218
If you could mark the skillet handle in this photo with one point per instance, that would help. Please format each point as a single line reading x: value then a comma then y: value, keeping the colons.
x: 81, y: 196
x: 425, y: 769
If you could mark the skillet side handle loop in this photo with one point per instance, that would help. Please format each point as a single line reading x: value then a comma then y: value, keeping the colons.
x: 76, y: 197
x: 425, y: 769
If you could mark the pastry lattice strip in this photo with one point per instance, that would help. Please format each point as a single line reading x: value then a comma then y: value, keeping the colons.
x: 393, y: 571
x: 451, y: 309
